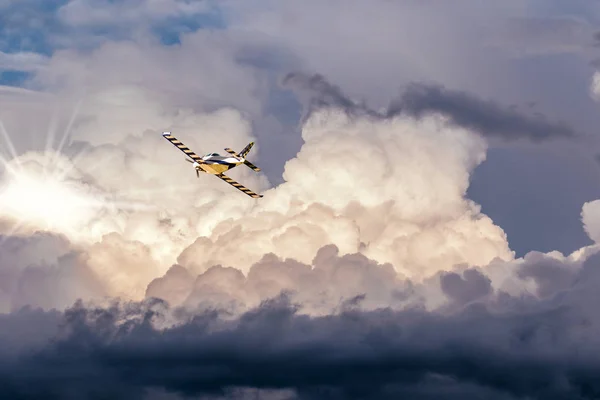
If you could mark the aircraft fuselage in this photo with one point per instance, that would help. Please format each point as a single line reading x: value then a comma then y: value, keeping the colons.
x: 218, y: 164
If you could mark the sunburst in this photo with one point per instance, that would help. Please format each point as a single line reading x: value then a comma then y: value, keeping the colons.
x: 46, y: 191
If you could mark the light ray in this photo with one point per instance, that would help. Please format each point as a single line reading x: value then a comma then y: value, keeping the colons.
x: 52, y: 127
x: 6, y: 165
x: 9, y: 143
x: 60, y: 203
x: 67, y: 132
x: 74, y: 115
x: 91, y: 168
x: 50, y: 135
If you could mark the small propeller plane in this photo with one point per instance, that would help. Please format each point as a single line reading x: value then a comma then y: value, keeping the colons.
x: 216, y: 164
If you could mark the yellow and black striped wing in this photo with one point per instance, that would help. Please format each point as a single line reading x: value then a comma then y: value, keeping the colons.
x: 182, y: 147
x: 238, y: 186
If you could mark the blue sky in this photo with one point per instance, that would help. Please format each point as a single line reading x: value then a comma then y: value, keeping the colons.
x: 40, y: 26
x: 30, y: 25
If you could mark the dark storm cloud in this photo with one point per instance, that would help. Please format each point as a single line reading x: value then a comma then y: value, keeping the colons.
x: 463, y: 289
x: 504, y: 348
x: 318, y: 92
x: 463, y: 109
x: 550, y: 275
x: 26, y: 329
x: 486, y: 117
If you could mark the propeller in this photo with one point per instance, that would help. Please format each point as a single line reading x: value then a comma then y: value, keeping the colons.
x: 193, y: 162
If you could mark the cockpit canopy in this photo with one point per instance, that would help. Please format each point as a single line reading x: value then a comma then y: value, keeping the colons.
x: 212, y: 155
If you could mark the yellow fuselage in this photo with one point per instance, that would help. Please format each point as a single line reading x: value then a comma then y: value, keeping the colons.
x: 216, y: 168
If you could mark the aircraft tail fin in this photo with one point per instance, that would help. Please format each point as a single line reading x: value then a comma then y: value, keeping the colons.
x: 243, y: 154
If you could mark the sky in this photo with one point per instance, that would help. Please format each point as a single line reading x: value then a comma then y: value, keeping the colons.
x: 430, y: 223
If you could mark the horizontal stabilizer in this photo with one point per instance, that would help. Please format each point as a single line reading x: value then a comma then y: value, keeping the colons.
x: 251, y: 166
x: 242, y: 154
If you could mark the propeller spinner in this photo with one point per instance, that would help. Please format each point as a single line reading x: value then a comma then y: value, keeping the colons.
x: 196, y: 166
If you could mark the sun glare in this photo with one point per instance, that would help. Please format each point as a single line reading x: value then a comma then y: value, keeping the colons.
x: 45, y: 190
x: 45, y: 202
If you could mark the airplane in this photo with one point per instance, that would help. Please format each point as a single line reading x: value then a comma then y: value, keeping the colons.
x: 216, y: 164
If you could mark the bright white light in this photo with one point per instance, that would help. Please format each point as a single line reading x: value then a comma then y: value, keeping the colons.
x: 46, y: 202
x: 46, y: 191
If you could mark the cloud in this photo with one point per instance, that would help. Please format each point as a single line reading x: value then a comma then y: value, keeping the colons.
x: 590, y: 215
x: 107, y: 13
x: 465, y: 110
x: 155, y: 76
x: 319, y: 93
x: 23, y: 61
x: 27, y: 329
x: 530, y: 36
x: 44, y: 270
x: 131, y: 220
x: 329, y: 283
x: 551, y: 274
x: 362, y: 203
x: 29, y: 25
x: 111, y: 134
x: 99, y: 202
x: 521, y: 347
x: 129, y: 168
x: 473, y: 285
x: 479, y: 115
x: 595, y: 86
x: 49, y: 26
x: 278, y: 345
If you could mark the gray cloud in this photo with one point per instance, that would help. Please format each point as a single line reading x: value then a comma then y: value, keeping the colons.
x: 27, y: 329
x: 317, y: 92
x: 529, y: 36
x: 472, y: 286
x: 485, y: 117
x: 463, y: 109
x: 499, y: 346
x: 505, y: 348
x: 550, y: 275
x: 43, y: 270
x: 332, y: 282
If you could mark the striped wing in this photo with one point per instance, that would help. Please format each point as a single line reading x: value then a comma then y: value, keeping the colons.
x: 238, y: 186
x: 182, y: 147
